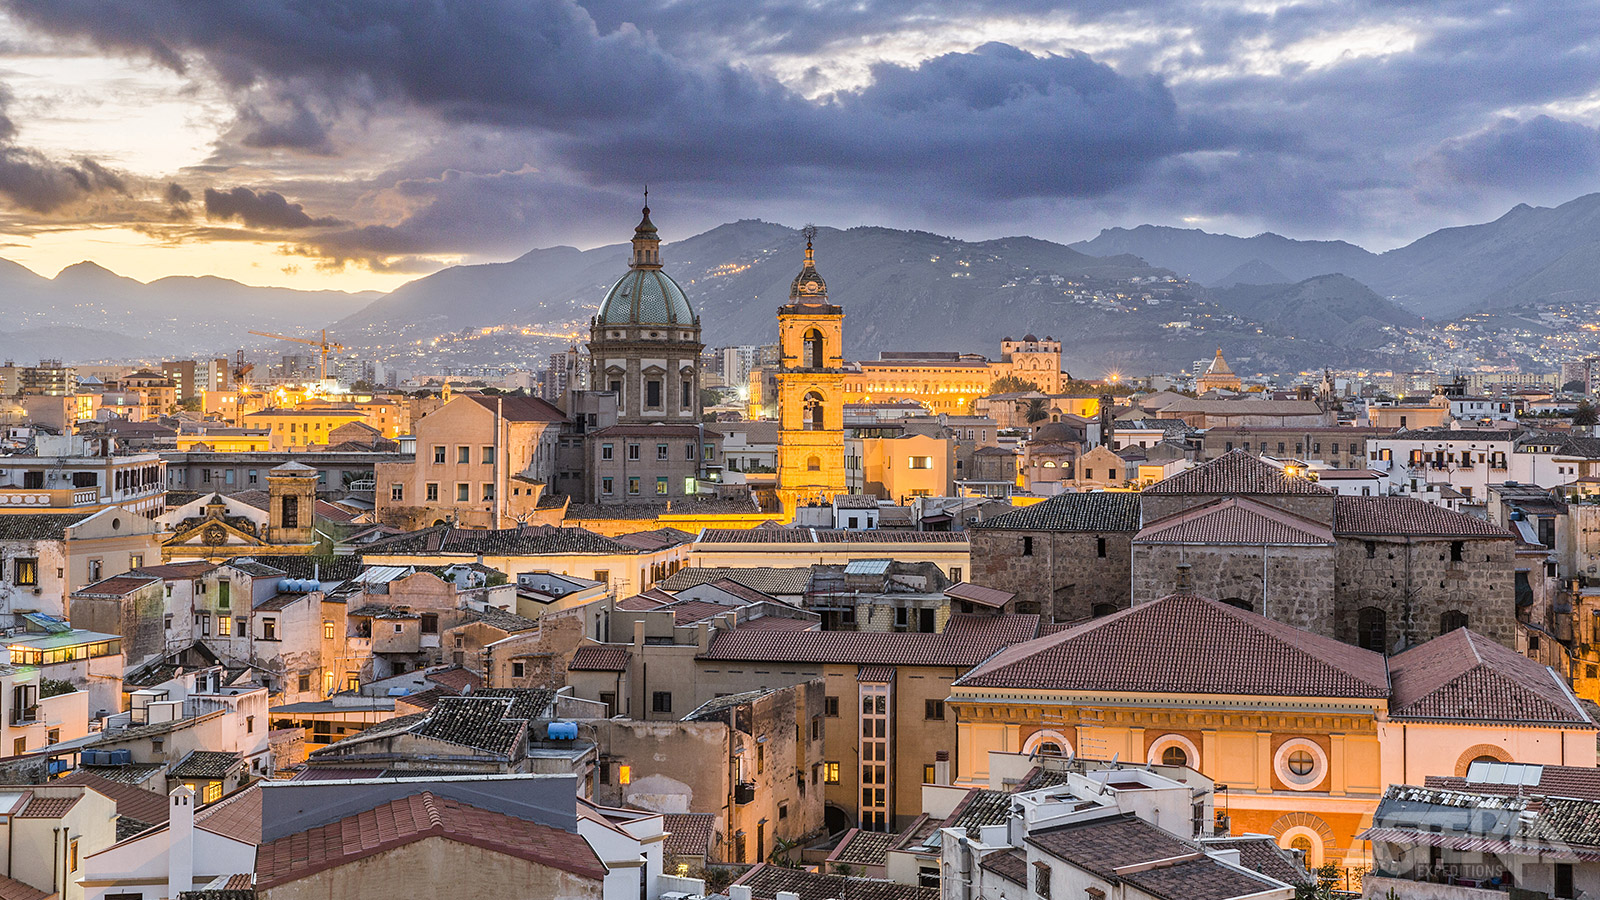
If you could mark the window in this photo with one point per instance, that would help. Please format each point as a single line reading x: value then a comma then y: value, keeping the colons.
x: 830, y: 707
x: 661, y: 485
x: 26, y: 571
x: 813, y: 464
x: 688, y: 452
x: 933, y: 709
x: 1100, y: 547
x: 95, y: 569
x: 633, y: 451
x: 488, y: 490
x: 928, y: 773
x: 213, y: 792
x: 72, y: 856
x: 1452, y: 620
x: 290, y: 512
x: 955, y: 573
x: 166, y: 621
x: 688, y: 394
x: 136, y: 560
x: 1372, y: 550
x: 397, y: 491
x: 633, y: 484
x: 1372, y: 629
x: 463, y: 492
x: 305, y: 681
x: 661, y: 451
x: 1300, y: 764
x: 249, y: 724
x: 607, y: 451
x: 488, y: 456
x: 606, y: 486
x: 1174, y: 756
x: 433, y: 492
x: 269, y: 630
x: 438, y: 454
x: 430, y: 623
x: 603, y: 576
x: 224, y: 593
x: 830, y: 773
x: 1027, y: 546
x: 241, y: 627
x: 517, y: 668
x: 463, y: 455
x: 920, y: 462
x: 1041, y: 880
x: 652, y: 393
x: 661, y: 702
x: 1456, y: 548
x: 205, y: 624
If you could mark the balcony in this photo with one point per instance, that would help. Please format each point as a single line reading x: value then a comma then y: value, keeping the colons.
x: 744, y: 792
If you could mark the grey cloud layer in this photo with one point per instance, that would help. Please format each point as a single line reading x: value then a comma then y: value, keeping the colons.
x: 596, y: 104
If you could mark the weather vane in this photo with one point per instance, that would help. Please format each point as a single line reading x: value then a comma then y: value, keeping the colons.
x: 810, y: 232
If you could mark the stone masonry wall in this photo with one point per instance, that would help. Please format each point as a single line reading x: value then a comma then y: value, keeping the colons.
x: 1065, y: 575
x: 1415, y: 583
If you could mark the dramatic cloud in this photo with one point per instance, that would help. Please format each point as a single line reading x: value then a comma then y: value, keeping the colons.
x: 266, y: 209
x: 1529, y: 154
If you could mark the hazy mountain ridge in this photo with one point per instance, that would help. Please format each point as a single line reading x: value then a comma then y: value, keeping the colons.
x: 1530, y: 255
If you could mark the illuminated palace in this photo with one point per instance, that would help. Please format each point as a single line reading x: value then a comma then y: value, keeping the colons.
x: 949, y: 382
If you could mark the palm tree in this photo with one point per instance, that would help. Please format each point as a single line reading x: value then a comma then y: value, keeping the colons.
x: 1036, y: 410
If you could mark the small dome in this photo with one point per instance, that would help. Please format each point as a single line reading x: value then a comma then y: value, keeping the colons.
x: 645, y: 297
x: 1029, y: 339
x: 1055, y: 433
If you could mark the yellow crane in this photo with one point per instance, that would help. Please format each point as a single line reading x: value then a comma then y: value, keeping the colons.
x: 324, y: 346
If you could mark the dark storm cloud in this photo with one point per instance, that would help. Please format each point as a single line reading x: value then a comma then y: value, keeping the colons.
x: 176, y: 194
x: 264, y: 209
x: 1521, y: 154
x: 35, y: 182
x: 292, y: 127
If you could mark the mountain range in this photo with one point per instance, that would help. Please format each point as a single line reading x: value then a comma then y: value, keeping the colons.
x: 1266, y: 296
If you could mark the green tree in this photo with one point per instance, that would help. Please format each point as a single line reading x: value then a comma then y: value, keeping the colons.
x: 1573, y: 387
x: 1585, y: 414
x: 1036, y: 410
x: 1011, y: 384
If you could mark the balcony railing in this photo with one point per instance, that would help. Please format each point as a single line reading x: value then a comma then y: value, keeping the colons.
x: 744, y: 792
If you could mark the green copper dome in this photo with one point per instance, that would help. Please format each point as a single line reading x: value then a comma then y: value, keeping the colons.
x: 645, y: 296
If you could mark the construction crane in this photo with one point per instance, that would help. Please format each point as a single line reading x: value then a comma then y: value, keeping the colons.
x: 324, y: 346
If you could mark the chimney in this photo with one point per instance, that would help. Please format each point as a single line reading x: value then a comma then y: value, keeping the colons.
x: 941, y: 767
x: 739, y: 892
x: 1185, y: 579
x: 180, y: 836
x: 788, y: 895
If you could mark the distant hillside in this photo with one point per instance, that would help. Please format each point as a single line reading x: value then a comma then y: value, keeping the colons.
x: 1253, y: 272
x: 1530, y: 255
x: 1335, y: 307
x: 118, y: 317
x: 901, y: 289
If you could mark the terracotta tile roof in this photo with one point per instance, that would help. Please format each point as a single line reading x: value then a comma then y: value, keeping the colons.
x: 599, y: 658
x: 742, y: 591
x: 1104, y: 846
x: 1012, y: 865
x: 978, y: 808
x: 1236, y: 520
x: 1205, y: 647
x: 1463, y: 675
x: 654, y: 598
x: 237, y: 816
x: 116, y: 586
x: 689, y: 834
x: 532, y: 540
x: 49, y: 807
x: 659, y: 539
x: 132, y: 802
x: 1197, y: 879
x: 1408, y: 517
x: 656, y: 431
x: 766, y: 881
x: 37, y: 526
x: 966, y: 641
x: 781, y: 623
x: 826, y: 536
x: 1084, y: 511
x: 12, y: 889
x: 875, y: 674
x: 1260, y: 854
x: 687, y: 612
x: 863, y: 848
x: 415, y: 818
x: 518, y: 409
x: 766, y: 579
x: 131, y: 774
x: 509, y: 622
x: 1581, y: 782
x: 1236, y: 472
x: 210, y: 764
x: 455, y: 679
x: 177, y: 570
x: 977, y: 593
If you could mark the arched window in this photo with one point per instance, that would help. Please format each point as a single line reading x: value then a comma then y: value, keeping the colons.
x: 1372, y: 629
x: 1241, y: 603
x: 813, y: 354
x: 1451, y: 620
x: 813, y: 464
x: 1103, y: 609
x: 814, y: 412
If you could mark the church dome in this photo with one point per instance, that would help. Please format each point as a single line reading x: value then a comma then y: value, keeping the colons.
x: 645, y: 295
x: 808, y: 287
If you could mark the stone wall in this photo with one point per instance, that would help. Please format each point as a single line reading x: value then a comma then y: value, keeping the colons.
x: 1316, y: 507
x: 1293, y: 585
x: 1416, y: 582
x: 1065, y: 575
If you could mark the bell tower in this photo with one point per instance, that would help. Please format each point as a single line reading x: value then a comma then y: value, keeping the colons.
x: 810, y: 391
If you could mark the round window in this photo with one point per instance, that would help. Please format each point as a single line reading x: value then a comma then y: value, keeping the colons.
x: 1174, y: 756
x: 1302, y: 763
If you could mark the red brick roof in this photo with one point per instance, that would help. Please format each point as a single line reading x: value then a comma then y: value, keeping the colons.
x: 518, y: 409
x: 49, y: 807
x: 1408, y: 517
x: 1183, y: 644
x: 826, y: 536
x: 687, y: 612
x: 178, y: 570
x: 781, y: 623
x: 1582, y: 782
x: 966, y: 641
x: 237, y: 816
x: 136, y: 803
x: 1463, y: 675
x: 1236, y: 472
x: 1236, y: 520
x: 116, y: 586
x: 595, y: 658
x: 689, y: 834
x: 12, y: 889
x: 415, y: 818
x: 456, y: 679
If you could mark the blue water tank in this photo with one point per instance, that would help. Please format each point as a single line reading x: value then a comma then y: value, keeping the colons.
x: 121, y: 757
x: 563, y: 731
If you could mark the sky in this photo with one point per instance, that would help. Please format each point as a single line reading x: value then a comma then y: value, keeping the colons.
x: 357, y: 144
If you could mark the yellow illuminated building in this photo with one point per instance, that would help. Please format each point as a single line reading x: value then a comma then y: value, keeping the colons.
x: 302, y: 427
x: 950, y: 382
x: 811, y: 392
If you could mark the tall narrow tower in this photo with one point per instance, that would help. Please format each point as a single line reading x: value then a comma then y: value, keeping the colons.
x: 810, y: 391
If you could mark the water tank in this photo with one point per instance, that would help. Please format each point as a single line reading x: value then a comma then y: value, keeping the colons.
x: 120, y: 757
x: 563, y: 731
